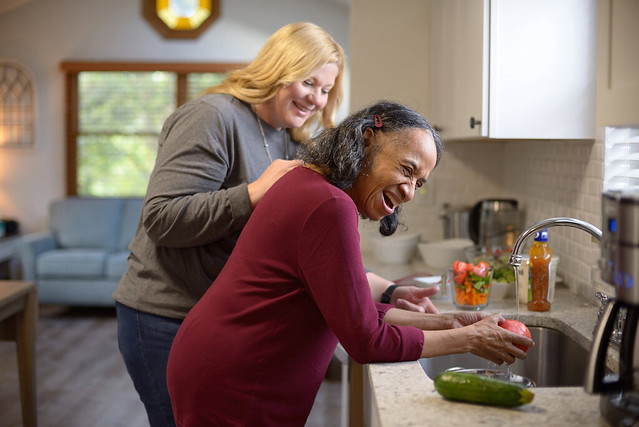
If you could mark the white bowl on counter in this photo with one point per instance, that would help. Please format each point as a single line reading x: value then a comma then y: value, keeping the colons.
x: 440, y: 255
x: 431, y: 281
x: 396, y: 249
x: 501, y: 291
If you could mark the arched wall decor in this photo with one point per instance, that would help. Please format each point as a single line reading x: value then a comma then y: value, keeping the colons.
x: 17, y: 105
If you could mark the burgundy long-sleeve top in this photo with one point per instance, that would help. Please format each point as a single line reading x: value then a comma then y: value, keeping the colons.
x: 255, y: 348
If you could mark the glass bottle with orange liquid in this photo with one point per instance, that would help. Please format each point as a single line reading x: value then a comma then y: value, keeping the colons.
x: 540, y: 256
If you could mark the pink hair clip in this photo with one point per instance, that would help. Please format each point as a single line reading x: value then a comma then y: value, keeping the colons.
x: 378, y: 121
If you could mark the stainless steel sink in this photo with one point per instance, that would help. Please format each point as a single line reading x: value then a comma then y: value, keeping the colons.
x: 556, y: 360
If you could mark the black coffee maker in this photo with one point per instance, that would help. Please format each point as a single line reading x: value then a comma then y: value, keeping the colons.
x: 495, y: 223
x: 620, y: 268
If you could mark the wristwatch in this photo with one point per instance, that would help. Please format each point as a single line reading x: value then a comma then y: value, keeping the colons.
x: 386, y: 296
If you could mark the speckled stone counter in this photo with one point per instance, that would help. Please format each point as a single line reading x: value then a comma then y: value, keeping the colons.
x: 403, y: 395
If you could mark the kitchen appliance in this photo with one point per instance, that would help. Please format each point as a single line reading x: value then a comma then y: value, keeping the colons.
x: 456, y: 221
x: 620, y: 268
x: 495, y: 223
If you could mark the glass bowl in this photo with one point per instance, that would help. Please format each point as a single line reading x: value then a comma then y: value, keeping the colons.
x: 503, y: 273
x: 498, y: 375
x: 471, y: 289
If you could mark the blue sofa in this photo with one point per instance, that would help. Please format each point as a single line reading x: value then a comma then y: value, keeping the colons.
x: 82, y: 256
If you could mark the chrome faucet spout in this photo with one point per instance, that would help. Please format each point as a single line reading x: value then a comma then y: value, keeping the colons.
x: 515, y: 257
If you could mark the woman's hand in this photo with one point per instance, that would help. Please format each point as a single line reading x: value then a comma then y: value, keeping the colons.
x: 275, y: 171
x: 406, y: 297
x: 414, y: 299
x: 482, y: 336
x: 495, y: 343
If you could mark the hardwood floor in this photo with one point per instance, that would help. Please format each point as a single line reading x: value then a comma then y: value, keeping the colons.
x: 82, y: 381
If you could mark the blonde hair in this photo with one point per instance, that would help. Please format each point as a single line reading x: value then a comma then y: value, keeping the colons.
x: 290, y: 55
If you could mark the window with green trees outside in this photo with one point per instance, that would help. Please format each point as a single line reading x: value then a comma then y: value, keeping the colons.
x: 115, y: 117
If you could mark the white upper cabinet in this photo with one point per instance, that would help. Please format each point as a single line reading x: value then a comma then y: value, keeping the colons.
x: 523, y: 69
x: 618, y: 63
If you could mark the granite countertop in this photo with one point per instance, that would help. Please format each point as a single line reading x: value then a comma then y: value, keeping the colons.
x: 403, y: 395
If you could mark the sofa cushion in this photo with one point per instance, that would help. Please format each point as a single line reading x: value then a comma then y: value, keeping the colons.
x: 130, y: 217
x: 115, y: 265
x: 78, y: 222
x: 85, y: 263
x: 77, y: 292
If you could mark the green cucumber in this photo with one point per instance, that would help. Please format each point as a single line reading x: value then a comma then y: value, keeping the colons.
x: 467, y: 387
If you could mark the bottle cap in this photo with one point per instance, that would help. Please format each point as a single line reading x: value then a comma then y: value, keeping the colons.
x: 541, y: 235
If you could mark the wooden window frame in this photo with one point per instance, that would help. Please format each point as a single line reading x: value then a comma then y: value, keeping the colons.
x: 72, y: 69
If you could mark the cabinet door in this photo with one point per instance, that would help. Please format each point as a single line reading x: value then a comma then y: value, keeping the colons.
x: 542, y: 69
x: 618, y: 63
x: 457, y: 68
x: 524, y: 68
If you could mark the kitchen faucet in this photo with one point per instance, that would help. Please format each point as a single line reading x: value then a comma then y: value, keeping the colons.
x: 515, y: 260
x: 515, y: 256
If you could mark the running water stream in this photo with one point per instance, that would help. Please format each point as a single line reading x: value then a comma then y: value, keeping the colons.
x: 516, y: 269
x: 493, y: 369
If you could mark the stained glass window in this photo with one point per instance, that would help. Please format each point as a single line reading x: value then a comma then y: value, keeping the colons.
x: 180, y: 18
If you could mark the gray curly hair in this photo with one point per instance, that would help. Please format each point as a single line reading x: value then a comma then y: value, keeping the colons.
x: 341, y: 151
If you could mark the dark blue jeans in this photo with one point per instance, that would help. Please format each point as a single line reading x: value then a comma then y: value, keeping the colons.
x: 145, y: 341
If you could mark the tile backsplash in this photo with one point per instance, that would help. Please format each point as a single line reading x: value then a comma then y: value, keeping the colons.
x: 548, y: 178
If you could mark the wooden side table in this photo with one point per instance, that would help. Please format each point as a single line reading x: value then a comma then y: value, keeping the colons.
x: 18, y: 322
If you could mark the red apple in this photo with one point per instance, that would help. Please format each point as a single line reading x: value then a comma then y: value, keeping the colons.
x: 518, y: 328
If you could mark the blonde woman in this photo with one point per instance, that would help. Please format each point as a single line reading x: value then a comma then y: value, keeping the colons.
x: 217, y: 156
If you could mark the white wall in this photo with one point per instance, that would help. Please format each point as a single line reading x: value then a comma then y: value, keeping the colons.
x: 42, y: 33
x: 390, y: 54
x: 548, y: 178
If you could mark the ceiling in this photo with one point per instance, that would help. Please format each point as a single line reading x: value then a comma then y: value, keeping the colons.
x: 7, y: 5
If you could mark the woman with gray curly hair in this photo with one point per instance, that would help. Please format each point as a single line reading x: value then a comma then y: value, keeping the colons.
x: 254, y: 349
x: 334, y: 150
